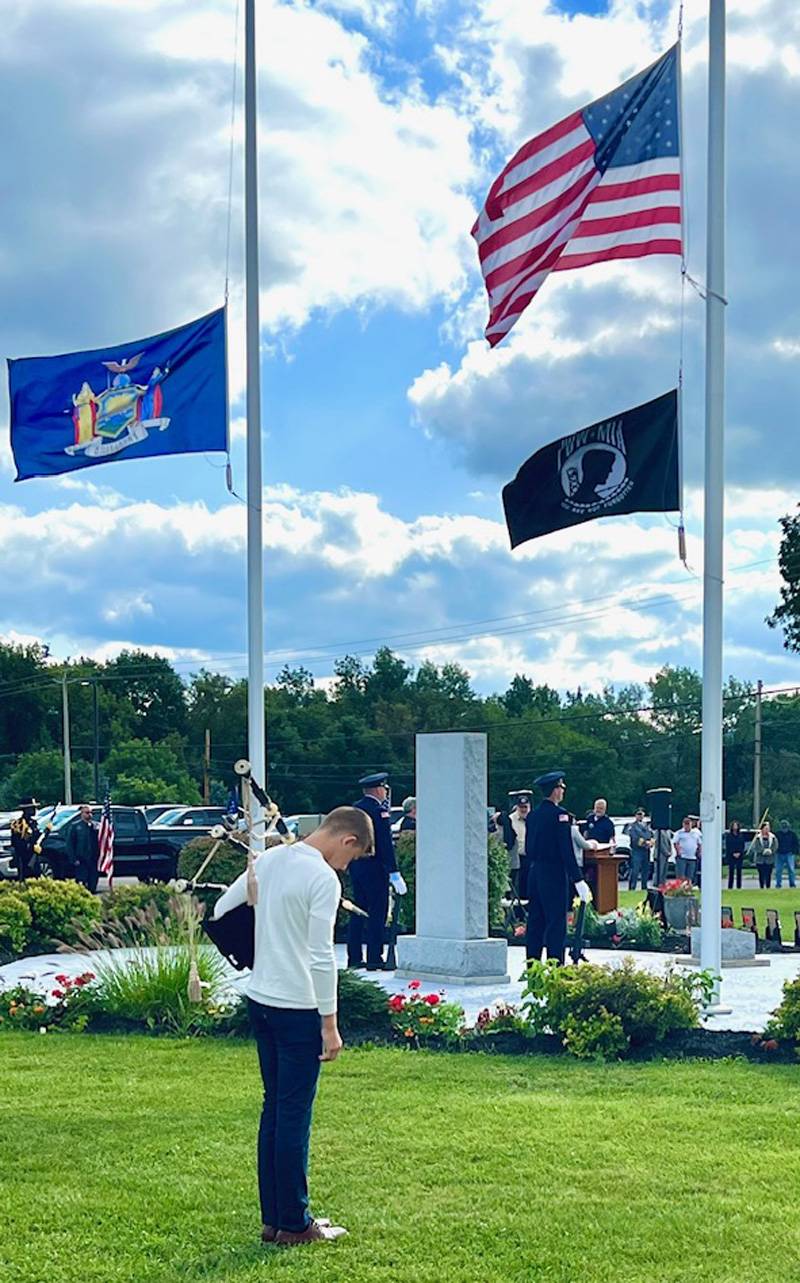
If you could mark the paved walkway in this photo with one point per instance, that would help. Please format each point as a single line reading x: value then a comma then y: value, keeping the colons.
x: 751, y: 993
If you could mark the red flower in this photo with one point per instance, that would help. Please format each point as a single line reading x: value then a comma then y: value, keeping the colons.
x: 397, y: 1002
x: 770, y: 1045
x: 59, y: 993
x: 87, y: 976
x: 432, y: 999
x: 616, y: 939
x: 62, y: 980
x: 414, y: 984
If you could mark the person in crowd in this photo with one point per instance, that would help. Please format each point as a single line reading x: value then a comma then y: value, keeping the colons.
x: 371, y: 878
x: 408, y: 824
x: 515, y: 832
x: 688, y: 845
x: 553, y: 870
x: 26, y: 841
x: 764, y: 848
x: 599, y: 824
x: 786, y: 853
x: 83, y: 849
x: 664, y: 852
x: 734, y: 854
x: 579, y: 842
x: 291, y: 997
x: 642, y: 840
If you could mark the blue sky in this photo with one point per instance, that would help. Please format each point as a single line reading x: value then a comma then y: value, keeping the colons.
x: 389, y: 428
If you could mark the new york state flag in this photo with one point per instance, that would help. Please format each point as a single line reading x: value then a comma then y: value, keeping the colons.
x: 163, y: 395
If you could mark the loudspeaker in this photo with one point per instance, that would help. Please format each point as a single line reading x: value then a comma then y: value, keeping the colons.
x: 660, y: 803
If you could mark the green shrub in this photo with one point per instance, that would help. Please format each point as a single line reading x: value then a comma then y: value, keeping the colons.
x: 785, y: 1022
x: 15, y: 923
x: 60, y: 911
x: 125, y: 900
x: 497, y: 878
x: 226, y: 866
x: 605, y: 1011
x: 362, y: 1006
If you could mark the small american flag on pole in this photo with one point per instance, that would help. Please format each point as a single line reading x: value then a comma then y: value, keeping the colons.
x: 105, y: 840
x: 604, y: 183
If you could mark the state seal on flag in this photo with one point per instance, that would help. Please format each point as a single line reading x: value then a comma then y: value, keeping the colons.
x: 109, y: 421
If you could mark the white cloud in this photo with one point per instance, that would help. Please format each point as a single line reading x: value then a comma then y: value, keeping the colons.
x: 603, y: 602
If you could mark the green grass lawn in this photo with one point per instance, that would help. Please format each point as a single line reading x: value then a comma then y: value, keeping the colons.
x: 785, y: 901
x: 131, y: 1160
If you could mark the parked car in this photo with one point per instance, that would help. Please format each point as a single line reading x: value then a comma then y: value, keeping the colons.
x: 138, y: 852
x: 190, y: 817
x: 152, y: 813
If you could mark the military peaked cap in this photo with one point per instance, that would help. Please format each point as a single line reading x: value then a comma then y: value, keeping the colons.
x: 549, y: 781
x: 372, y: 781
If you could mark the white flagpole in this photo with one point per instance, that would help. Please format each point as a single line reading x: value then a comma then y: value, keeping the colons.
x: 711, y: 804
x: 256, y: 747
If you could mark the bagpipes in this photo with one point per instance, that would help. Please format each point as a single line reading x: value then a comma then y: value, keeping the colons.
x: 233, y: 934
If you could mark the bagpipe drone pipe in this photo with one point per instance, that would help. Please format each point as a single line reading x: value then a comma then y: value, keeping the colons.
x: 233, y: 933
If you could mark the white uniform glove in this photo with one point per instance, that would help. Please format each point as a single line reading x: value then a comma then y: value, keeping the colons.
x: 398, y: 883
x: 584, y: 892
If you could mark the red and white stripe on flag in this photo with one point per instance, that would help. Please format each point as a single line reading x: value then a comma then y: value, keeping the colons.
x: 105, y: 841
x: 568, y: 199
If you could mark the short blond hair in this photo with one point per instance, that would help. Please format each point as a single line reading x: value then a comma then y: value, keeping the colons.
x: 350, y: 821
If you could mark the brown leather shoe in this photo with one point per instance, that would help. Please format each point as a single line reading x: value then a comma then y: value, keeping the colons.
x: 316, y: 1232
x: 268, y: 1233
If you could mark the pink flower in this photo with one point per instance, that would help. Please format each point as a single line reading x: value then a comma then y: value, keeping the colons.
x: 414, y: 984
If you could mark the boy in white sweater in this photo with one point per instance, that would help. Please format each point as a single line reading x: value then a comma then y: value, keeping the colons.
x: 292, y: 999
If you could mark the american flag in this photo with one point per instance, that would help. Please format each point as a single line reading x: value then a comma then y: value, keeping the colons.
x: 604, y: 183
x: 105, y: 839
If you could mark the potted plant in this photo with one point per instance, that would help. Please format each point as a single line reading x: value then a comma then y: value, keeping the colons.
x: 680, y: 903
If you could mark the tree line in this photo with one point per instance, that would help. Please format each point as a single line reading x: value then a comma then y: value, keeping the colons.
x: 153, y: 722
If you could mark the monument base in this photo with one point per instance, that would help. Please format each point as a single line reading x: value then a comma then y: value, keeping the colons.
x: 455, y: 962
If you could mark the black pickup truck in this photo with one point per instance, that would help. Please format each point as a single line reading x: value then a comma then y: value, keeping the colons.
x: 137, y: 852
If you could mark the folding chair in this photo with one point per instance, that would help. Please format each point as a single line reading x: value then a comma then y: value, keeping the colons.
x: 727, y: 915
x: 773, y: 931
x: 749, y: 921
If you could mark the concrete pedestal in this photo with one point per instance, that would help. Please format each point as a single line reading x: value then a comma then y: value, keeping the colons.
x: 452, y: 944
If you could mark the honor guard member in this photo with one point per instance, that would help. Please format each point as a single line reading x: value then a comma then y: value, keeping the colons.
x: 371, y: 877
x: 553, y: 870
x: 515, y: 837
x: 26, y: 841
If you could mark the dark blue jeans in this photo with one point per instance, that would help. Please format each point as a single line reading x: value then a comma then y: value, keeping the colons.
x: 289, y: 1046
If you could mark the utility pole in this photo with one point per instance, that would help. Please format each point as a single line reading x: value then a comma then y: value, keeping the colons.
x: 757, y: 758
x: 207, y: 767
x: 65, y: 728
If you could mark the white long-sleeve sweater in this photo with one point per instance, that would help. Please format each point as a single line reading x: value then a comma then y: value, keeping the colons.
x: 298, y: 895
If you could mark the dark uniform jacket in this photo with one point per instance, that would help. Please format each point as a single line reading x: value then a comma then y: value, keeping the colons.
x: 24, y: 836
x: 83, y: 847
x: 384, y: 861
x: 549, y: 839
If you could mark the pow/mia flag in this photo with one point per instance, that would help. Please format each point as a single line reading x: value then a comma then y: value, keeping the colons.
x: 625, y: 464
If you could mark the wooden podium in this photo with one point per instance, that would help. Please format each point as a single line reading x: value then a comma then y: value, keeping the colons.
x: 604, y: 865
